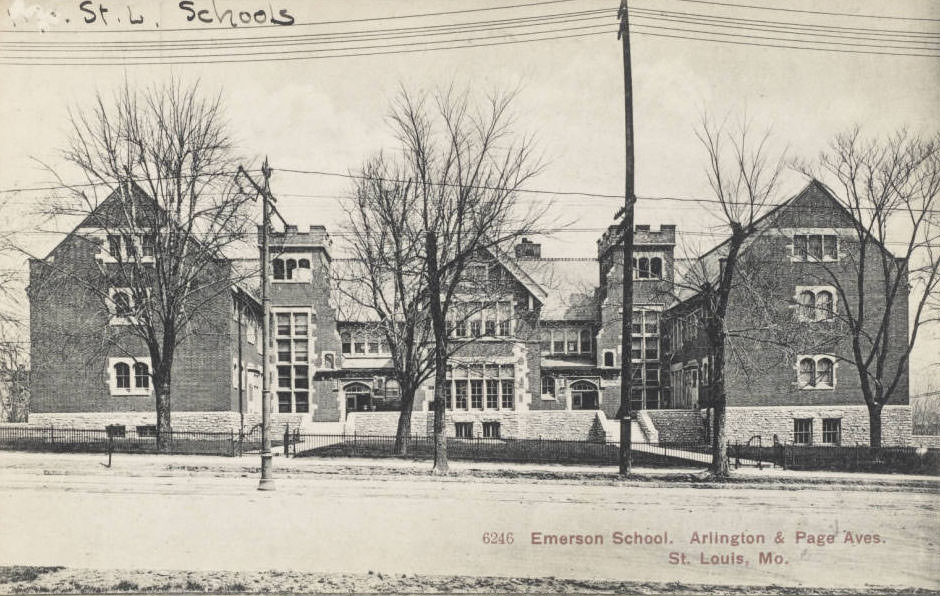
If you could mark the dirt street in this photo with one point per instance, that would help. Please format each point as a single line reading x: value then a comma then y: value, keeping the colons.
x: 467, y: 526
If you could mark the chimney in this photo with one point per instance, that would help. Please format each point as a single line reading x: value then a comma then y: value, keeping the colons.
x: 528, y: 250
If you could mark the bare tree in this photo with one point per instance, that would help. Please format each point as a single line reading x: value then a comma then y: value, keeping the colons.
x: 168, y: 213
x: 744, y: 178
x: 447, y: 199
x: 890, y: 186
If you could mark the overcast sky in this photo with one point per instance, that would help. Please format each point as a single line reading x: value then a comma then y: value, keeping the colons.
x: 329, y: 114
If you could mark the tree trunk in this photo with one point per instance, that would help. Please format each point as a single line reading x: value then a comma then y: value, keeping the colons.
x: 440, y: 414
x: 404, y: 421
x: 161, y: 381
x: 440, y: 360
x: 874, y: 425
x: 720, y: 468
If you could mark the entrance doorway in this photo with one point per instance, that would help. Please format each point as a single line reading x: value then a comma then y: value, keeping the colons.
x: 584, y: 396
x: 358, y: 397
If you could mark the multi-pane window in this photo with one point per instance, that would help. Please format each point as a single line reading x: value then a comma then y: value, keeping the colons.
x: 584, y: 396
x: 567, y: 340
x: 816, y: 372
x: 647, y: 268
x: 802, y: 431
x: 815, y: 247
x: 360, y: 343
x: 492, y: 394
x: 645, y: 357
x: 815, y: 303
x: 476, y: 394
x: 292, y: 337
x: 832, y: 431
x: 125, y: 246
x: 114, y: 246
x: 491, y: 430
x: 480, y: 387
x: 464, y: 430
x: 291, y: 269
x: 548, y: 386
x: 480, y: 319
x: 129, y: 376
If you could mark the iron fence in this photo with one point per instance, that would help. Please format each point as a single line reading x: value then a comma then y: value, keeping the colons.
x: 142, y: 440
x: 860, y: 458
x: 495, y: 449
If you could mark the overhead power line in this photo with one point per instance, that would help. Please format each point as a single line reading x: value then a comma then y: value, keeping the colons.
x: 816, y: 12
x: 650, y: 22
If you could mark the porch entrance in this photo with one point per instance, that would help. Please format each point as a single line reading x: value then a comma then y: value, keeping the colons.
x: 584, y: 396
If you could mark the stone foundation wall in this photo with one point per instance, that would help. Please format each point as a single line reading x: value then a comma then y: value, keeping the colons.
x: 546, y: 424
x: 931, y: 441
x: 678, y: 426
x: 743, y: 423
x: 182, y: 421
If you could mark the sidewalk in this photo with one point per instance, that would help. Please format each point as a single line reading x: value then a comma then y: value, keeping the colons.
x: 138, y: 465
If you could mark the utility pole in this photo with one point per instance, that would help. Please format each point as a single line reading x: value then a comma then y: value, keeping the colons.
x: 264, y: 190
x: 629, y: 199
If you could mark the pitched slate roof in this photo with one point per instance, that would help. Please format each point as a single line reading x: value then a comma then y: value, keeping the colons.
x: 570, y: 285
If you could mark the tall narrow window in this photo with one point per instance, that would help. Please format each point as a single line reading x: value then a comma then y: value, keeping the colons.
x: 823, y: 372
x: 346, y: 341
x: 803, y: 431
x: 807, y: 305
x: 492, y: 394
x: 122, y: 304
x: 476, y: 394
x: 289, y: 269
x: 548, y: 386
x: 814, y: 247
x: 278, y: 266
x: 656, y: 268
x: 831, y: 248
x: 824, y: 305
x: 508, y: 398
x: 585, y: 341
x: 114, y: 246
x: 644, y: 269
x: 832, y: 431
x: 609, y: 358
x: 141, y: 375
x: 460, y: 390
x: 800, y: 247
x: 122, y: 375
x: 807, y: 372
x: 147, y: 245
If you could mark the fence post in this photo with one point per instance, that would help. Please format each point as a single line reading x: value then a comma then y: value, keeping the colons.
x: 231, y: 435
x: 286, y: 440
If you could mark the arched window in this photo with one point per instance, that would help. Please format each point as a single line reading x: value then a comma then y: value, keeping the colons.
x: 122, y: 304
x: 548, y: 386
x: 278, y: 269
x: 807, y: 372
x: 583, y: 396
x: 358, y: 397
x: 303, y: 264
x: 656, y: 268
x: 346, y: 340
x: 824, y: 305
x: 824, y: 372
x: 329, y: 361
x: 807, y: 305
x: 291, y: 265
x: 585, y: 341
x: 644, y: 269
x: 608, y: 358
x: 122, y: 375
x: 141, y: 375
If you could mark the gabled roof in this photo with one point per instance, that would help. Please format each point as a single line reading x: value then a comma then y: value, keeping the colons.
x: 571, y: 286
x: 708, y: 265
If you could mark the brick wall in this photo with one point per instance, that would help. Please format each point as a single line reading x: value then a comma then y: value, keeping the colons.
x: 678, y: 426
x: 743, y: 423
